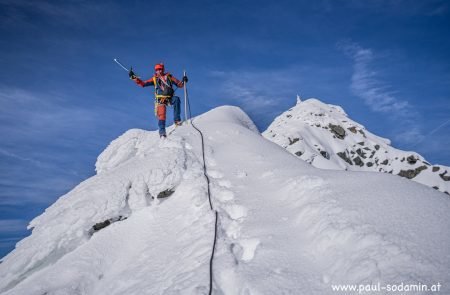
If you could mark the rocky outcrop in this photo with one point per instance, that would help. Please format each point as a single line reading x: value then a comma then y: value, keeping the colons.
x: 411, y: 173
x: 344, y: 157
x: 337, y: 130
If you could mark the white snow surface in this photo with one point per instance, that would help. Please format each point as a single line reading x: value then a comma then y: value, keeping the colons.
x: 305, y: 130
x: 285, y: 227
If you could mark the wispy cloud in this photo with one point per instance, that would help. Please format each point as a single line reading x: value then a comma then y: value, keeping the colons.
x: 262, y: 94
x: 367, y: 84
x: 12, y: 225
x: 71, y: 13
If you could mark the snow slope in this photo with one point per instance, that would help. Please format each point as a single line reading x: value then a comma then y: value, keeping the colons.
x: 324, y: 136
x: 285, y: 227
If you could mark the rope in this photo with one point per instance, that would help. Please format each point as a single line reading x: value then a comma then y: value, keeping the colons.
x: 212, y: 209
x: 209, y: 198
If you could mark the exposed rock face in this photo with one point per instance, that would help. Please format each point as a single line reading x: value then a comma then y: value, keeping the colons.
x: 445, y: 177
x: 325, y: 155
x: 352, y: 129
x: 345, y: 158
x: 358, y: 161
x: 337, y: 130
x: 411, y: 173
x: 411, y: 160
x: 292, y: 141
x: 325, y: 137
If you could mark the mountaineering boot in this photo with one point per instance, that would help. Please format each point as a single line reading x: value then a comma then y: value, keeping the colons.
x: 178, y: 123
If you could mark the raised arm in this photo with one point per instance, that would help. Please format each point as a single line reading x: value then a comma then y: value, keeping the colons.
x: 177, y: 82
x: 145, y: 83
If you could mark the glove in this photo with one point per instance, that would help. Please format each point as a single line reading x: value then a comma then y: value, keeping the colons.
x: 185, y: 79
x: 132, y: 75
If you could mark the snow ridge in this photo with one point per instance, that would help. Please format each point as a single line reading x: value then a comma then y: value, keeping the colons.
x: 285, y: 227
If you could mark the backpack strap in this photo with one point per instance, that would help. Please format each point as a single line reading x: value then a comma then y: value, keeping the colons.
x: 159, y: 98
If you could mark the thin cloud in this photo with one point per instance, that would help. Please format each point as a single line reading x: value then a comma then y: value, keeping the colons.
x: 367, y: 84
x: 12, y: 225
x: 15, y: 156
x: 258, y: 91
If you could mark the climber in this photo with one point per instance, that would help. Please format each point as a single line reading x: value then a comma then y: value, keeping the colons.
x: 164, y: 95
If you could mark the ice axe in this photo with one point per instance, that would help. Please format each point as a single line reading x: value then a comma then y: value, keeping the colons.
x: 121, y: 65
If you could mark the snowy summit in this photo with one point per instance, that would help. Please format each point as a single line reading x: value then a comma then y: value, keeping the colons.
x: 324, y: 136
x: 143, y: 224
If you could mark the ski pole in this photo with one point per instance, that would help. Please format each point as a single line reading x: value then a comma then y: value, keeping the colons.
x: 121, y: 65
x: 185, y: 99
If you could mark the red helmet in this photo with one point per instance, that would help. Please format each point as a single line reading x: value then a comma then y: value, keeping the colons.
x: 159, y: 66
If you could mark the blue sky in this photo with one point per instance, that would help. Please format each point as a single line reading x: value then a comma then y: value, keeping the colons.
x: 62, y: 99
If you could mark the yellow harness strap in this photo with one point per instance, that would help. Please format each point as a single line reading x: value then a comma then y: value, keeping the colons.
x: 159, y: 98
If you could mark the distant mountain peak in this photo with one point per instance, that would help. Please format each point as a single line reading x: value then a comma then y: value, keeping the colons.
x: 324, y: 136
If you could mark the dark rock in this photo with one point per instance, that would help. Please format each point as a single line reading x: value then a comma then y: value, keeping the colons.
x: 377, y: 147
x: 337, y: 130
x: 385, y: 162
x: 411, y: 160
x: 411, y: 173
x: 101, y: 225
x: 436, y: 188
x: 361, y: 153
x: 358, y: 161
x: 165, y: 194
x: 435, y: 169
x: 352, y: 129
x: 344, y: 157
x: 317, y: 125
x: 361, y: 143
x: 403, y: 159
x: 366, y: 148
x: 444, y: 177
x: 292, y: 141
x: 362, y: 132
x: 369, y: 164
x: 289, y: 116
x: 299, y: 153
x: 325, y: 155
x: 426, y: 163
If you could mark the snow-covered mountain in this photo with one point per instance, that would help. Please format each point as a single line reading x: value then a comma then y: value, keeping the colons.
x: 285, y: 227
x: 324, y: 136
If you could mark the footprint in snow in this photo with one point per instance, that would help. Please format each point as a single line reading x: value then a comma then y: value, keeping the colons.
x: 225, y: 195
x: 236, y: 211
x: 241, y: 174
x: 225, y: 183
x: 246, y: 249
x: 215, y: 174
